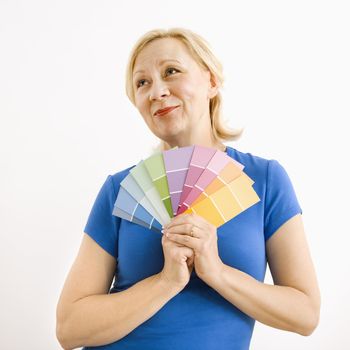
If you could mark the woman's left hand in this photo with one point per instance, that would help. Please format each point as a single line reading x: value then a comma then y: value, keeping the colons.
x: 195, y: 232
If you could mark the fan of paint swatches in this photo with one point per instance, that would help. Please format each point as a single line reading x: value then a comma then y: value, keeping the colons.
x: 227, y: 202
x: 182, y: 180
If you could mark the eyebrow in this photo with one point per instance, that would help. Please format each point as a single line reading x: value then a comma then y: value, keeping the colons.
x: 160, y: 63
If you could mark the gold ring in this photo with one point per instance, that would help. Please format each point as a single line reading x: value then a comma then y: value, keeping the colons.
x: 192, y: 233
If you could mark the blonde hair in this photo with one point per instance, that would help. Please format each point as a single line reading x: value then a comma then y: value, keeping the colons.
x: 202, y: 54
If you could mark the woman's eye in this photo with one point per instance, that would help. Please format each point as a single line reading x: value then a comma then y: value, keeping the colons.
x: 172, y: 69
x: 139, y: 83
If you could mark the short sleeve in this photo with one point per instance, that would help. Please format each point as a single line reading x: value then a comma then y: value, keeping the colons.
x: 281, y: 203
x: 101, y: 225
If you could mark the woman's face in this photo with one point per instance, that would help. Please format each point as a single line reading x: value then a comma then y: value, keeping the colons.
x: 166, y: 75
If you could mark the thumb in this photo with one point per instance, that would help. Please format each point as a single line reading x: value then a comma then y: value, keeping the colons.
x: 187, y: 252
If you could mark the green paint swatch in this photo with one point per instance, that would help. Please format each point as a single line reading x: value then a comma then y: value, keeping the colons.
x: 156, y: 170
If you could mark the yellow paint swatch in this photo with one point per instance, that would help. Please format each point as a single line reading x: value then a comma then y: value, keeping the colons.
x: 227, y: 202
x: 207, y: 210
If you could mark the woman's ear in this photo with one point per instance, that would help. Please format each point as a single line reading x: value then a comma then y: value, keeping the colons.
x: 213, y: 87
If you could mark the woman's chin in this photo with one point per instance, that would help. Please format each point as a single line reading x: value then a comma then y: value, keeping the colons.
x: 172, y: 136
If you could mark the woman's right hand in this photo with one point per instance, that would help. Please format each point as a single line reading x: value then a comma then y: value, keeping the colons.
x: 178, y: 263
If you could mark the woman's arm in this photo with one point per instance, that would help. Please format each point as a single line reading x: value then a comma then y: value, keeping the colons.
x: 293, y: 302
x: 87, y: 316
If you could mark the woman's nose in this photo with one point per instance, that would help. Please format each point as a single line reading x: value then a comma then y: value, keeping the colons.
x: 158, y: 91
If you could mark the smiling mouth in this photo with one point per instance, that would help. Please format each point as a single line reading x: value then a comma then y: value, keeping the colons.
x: 165, y: 111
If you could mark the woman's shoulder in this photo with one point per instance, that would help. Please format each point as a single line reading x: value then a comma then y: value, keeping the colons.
x: 247, y: 159
x: 255, y: 166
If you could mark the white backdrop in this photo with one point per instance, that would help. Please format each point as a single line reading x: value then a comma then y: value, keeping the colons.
x: 66, y: 124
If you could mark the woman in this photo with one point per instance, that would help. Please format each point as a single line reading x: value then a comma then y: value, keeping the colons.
x: 196, y: 287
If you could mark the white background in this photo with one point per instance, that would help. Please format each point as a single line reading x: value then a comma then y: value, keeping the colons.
x: 66, y: 124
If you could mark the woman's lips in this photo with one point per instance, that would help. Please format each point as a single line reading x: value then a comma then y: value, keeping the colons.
x: 165, y: 111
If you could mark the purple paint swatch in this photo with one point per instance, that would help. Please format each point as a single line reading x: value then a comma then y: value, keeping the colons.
x: 176, y: 164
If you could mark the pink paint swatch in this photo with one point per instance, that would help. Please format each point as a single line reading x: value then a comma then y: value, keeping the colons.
x: 200, y: 159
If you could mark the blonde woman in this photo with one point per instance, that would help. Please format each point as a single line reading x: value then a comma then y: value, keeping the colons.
x: 194, y: 286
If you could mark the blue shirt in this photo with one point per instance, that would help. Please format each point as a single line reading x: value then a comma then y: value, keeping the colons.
x: 198, y: 317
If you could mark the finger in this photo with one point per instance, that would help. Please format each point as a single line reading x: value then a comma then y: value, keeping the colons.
x: 182, y: 229
x: 186, y: 253
x: 186, y: 240
x: 167, y: 241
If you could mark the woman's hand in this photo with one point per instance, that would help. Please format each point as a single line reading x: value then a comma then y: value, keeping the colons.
x: 178, y: 263
x: 195, y: 232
